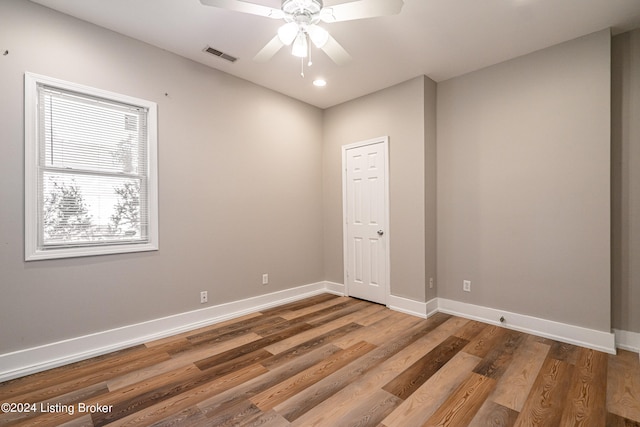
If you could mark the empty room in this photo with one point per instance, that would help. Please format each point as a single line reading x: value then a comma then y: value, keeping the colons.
x: 320, y: 213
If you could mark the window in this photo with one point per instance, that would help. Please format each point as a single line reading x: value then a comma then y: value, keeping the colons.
x: 90, y: 171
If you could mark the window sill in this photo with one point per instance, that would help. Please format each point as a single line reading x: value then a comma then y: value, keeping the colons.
x: 39, y: 254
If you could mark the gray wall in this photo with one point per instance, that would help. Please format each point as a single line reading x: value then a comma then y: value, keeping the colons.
x: 625, y: 186
x: 524, y: 184
x: 430, y: 187
x: 398, y: 112
x: 229, y: 207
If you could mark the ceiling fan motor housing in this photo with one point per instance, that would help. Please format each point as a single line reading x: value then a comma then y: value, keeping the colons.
x: 294, y: 7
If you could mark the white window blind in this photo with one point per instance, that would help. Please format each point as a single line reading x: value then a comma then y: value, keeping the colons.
x: 95, y: 180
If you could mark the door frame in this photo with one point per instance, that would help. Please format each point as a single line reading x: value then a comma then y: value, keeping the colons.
x: 384, y: 140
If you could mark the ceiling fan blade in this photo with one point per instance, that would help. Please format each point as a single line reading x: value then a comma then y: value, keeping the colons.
x: 336, y: 52
x: 245, y: 7
x: 360, y: 9
x: 269, y: 50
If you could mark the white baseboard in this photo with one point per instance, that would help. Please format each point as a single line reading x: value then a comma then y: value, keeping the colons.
x: 406, y: 305
x: 412, y: 307
x: 36, y: 359
x: 590, y: 338
x: 334, y: 288
x: 432, y: 307
x: 31, y: 360
x: 598, y: 340
x: 627, y: 340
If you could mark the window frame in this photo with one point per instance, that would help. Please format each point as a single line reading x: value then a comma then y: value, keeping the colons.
x: 33, y: 224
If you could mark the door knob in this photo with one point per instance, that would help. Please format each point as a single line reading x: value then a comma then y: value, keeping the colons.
x: 380, y: 232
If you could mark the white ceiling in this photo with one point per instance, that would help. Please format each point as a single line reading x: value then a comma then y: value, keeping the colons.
x: 438, y: 38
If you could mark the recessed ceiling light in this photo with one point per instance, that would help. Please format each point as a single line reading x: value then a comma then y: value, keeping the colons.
x: 319, y: 82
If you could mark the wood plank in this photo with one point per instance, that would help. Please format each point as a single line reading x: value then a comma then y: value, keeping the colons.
x: 470, y: 330
x: 299, y: 305
x: 237, y: 363
x: 623, y: 389
x: 169, y: 345
x: 335, y: 312
x: 310, y: 344
x: 270, y: 419
x: 55, y: 418
x: 241, y: 411
x: 86, y: 376
x: 271, y: 397
x: 614, y: 420
x: 545, y: 403
x: 84, y: 421
x: 228, y: 398
x: 484, y: 341
x: 144, y: 394
x: 191, y: 417
x: 566, y: 352
x: 229, y: 331
x: 312, y: 333
x: 192, y: 353
x: 334, y: 407
x: 291, y: 315
x: 370, y: 411
x: 33, y: 387
x: 585, y: 403
x: 307, y: 399
x: 460, y: 408
x: 418, y: 407
x: 346, y: 306
x: 415, y: 375
x: 68, y: 399
x: 379, y: 332
x: 494, y: 415
x: 497, y: 360
x: 276, y: 325
x: 140, y: 398
x: 242, y: 350
x: 380, y: 312
x: 167, y: 408
x: 181, y: 359
x: 183, y: 336
x: 515, y: 384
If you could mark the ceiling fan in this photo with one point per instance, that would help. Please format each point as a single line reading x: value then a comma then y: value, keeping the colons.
x: 301, y: 27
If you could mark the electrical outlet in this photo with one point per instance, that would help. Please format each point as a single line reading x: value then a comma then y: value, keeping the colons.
x: 466, y: 285
x: 204, y: 297
x: 265, y: 279
x: 430, y: 282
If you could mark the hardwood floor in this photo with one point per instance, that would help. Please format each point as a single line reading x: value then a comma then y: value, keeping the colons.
x: 337, y: 361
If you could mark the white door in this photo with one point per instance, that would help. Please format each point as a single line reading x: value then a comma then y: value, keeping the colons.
x: 365, y: 190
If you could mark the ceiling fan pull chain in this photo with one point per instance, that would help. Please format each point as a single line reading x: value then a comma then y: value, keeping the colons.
x: 302, y: 67
x: 309, y: 53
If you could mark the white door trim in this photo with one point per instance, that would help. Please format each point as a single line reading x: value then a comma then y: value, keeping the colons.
x: 384, y: 140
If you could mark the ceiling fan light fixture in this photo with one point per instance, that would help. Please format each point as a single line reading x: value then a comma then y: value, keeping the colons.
x: 318, y: 35
x: 300, y: 45
x: 287, y: 33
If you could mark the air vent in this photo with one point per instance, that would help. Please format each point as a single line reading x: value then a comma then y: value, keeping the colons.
x: 220, y: 54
